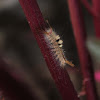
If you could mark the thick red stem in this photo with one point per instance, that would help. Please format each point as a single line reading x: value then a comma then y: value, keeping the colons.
x: 37, y: 24
x: 80, y: 37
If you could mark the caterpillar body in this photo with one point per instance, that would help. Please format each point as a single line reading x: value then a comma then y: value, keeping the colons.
x: 56, y: 44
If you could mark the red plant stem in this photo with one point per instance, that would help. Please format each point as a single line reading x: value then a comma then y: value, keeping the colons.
x: 37, y: 24
x: 96, y: 7
x: 89, y: 7
x: 95, y: 11
x: 80, y: 37
x: 12, y: 89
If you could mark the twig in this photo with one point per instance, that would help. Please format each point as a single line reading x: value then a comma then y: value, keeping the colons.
x: 95, y: 12
x: 89, y: 7
x: 96, y: 7
x: 80, y: 37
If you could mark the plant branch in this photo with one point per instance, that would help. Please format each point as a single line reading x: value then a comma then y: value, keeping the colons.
x: 89, y: 7
x: 96, y: 7
x: 80, y: 37
x: 37, y: 24
x: 95, y: 12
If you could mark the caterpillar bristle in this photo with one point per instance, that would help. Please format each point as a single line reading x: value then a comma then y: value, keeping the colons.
x: 70, y: 63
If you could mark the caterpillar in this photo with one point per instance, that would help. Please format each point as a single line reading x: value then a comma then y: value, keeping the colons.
x: 56, y: 44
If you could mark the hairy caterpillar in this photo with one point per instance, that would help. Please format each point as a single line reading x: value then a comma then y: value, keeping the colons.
x: 56, y: 44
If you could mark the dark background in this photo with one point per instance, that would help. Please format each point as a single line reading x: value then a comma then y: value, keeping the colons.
x: 20, y: 51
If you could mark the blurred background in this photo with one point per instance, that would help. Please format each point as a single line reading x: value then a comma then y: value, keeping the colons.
x: 19, y: 50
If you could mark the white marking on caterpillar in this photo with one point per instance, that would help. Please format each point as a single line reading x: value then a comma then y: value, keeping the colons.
x: 56, y: 44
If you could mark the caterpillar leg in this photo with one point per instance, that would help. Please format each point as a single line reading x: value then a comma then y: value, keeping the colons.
x: 70, y: 63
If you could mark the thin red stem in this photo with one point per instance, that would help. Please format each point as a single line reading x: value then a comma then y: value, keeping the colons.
x: 37, y: 24
x: 95, y: 12
x: 89, y: 7
x: 80, y: 37
x: 96, y: 7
